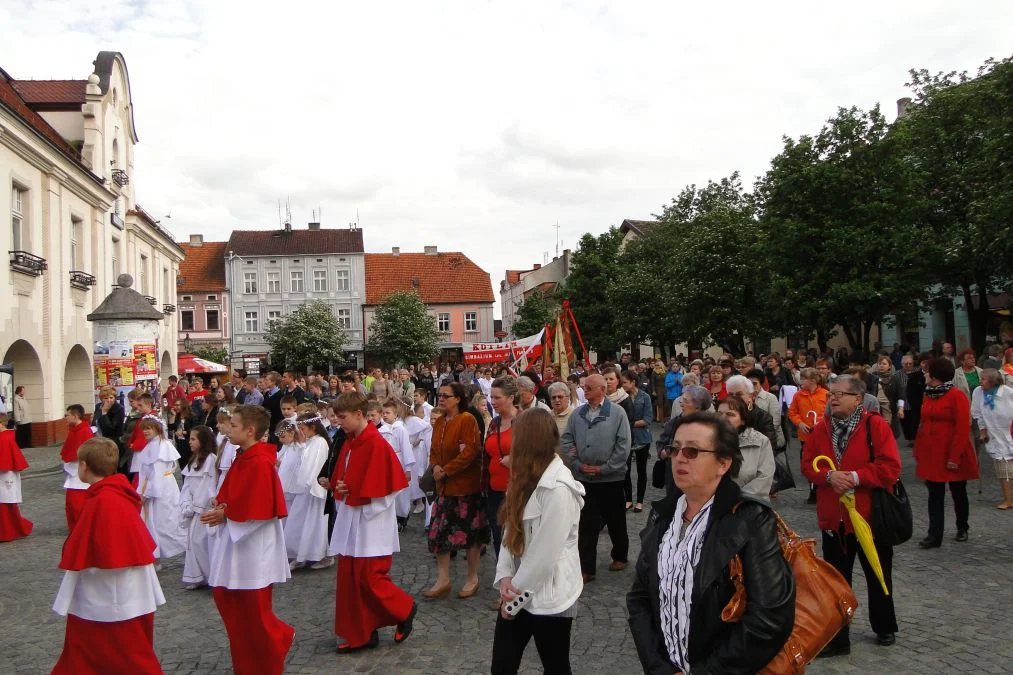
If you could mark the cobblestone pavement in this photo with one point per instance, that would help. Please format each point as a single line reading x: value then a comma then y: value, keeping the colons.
x: 953, y: 604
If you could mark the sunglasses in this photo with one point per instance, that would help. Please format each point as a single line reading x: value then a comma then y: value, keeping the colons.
x: 688, y: 453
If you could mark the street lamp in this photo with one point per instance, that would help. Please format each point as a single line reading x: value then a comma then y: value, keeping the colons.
x: 188, y: 344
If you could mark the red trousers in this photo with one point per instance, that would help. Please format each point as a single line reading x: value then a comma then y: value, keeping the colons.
x: 12, y: 524
x: 73, y: 505
x: 99, y: 648
x: 258, y: 640
x: 367, y: 599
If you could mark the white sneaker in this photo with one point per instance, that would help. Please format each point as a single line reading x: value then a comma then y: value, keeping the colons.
x: 296, y: 565
x: 418, y: 508
x: 323, y: 564
x: 193, y: 587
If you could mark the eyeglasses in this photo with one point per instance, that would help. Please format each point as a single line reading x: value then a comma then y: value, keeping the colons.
x: 442, y: 396
x: 838, y: 394
x: 688, y: 453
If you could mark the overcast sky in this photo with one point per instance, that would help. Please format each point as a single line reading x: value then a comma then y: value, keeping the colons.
x: 476, y: 126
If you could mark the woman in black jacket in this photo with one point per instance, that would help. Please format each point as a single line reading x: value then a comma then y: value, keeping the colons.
x: 109, y: 415
x: 682, y: 582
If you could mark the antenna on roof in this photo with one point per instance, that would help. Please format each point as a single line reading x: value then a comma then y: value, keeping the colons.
x: 557, y: 237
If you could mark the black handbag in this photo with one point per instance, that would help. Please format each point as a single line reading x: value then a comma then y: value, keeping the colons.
x: 658, y: 473
x: 784, y: 479
x: 427, y: 483
x: 891, y: 519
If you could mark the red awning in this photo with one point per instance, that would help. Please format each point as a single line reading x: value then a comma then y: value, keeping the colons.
x: 188, y: 363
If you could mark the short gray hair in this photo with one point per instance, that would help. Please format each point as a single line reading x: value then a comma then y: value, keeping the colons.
x: 560, y: 387
x: 739, y: 383
x: 993, y: 376
x: 700, y: 397
x: 526, y: 383
x: 853, y: 384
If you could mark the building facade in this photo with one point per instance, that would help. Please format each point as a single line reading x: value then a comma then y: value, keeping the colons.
x: 202, y: 298
x: 519, y: 284
x: 66, y: 164
x: 269, y: 273
x: 456, y: 291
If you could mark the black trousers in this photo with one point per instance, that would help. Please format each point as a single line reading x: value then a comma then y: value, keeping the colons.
x: 603, y: 502
x: 552, y: 640
x: 961, y: 507
x: 493, y: 499
x: 23, y: 435
x: 840, y: 552
x: 640, y: 452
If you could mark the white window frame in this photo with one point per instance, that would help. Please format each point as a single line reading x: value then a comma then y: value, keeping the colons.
x: 273, y: 315
x: 471, y: 322
x: 441, y: 319
x: 345, y: 318
x: 343, y: 280
x: 319, y: 281
x: 274, y: 282
x: 250, y: 283
x: 193, y: 320
x: 218, y: 320
x: 251, y: 322
x: 76, y: 234
x: 18, y: 195
x: 296, y: 275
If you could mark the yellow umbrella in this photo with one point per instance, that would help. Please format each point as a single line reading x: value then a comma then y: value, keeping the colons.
x: 863, y: 532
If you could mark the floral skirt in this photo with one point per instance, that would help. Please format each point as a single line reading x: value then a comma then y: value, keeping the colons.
x: 458, y: 523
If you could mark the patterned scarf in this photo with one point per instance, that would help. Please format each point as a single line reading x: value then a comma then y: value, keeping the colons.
x: 937, y: 392
x: 841, y: 430
x: 678, y: 558
x: 989, y: 396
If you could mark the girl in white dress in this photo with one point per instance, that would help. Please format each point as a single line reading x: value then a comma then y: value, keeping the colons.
x: 420, y: 433
x: 306, y: 524
x: 155, y: 467
x: 394, y: 412
x: 199, y: 488
x: 289, y: 459
x: 226, y: 450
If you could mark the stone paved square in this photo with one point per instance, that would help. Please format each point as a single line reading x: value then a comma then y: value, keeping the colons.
x: 952, y: 602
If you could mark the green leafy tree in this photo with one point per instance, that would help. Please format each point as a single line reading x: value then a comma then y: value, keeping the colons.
x: 308, y: 338
x: 403, y: 331
x: 209, y: 353
x: 536, y: 310
x: 593, y: 267
x: 958, y: 138
x: 842, y: 245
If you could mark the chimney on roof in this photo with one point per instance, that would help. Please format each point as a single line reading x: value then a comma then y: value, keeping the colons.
x: 902, y: 106
x: 538, y: 266
x: 396, y: 250
x: 196, y: 239
x: 314, y: 225
x: 430, y: 250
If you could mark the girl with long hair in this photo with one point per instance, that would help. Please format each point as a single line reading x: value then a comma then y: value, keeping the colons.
x: 306, y: 525
x: 199, y: 483
x: 540, y: 517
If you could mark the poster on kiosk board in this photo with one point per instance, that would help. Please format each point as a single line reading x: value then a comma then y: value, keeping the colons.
x: 125, y: 355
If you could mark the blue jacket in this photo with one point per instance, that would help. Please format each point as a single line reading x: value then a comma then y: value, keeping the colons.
x: 603, y: 441
x: 673, y: 385
x: 641, y: 411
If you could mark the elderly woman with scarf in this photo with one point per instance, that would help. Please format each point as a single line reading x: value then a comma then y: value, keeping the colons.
x: 943, y: 450
x: 890, y: 393
x: 992, y: 408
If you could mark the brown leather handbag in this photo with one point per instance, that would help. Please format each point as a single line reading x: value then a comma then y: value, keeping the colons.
x: 824, y: 602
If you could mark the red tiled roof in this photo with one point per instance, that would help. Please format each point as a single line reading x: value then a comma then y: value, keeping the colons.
x: 514, y: 276
x: 295, y: 242
x: 51, y: 92
x: 441, y: 278
x: 10, y: 98
x: 202, y: 268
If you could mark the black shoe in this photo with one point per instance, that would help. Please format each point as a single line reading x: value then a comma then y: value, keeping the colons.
x: 830, y: 651
x: 404, y: 629
x: 374, y: 641
x: 961, y: 535
x: 885, y: 639
x: 931, y: 542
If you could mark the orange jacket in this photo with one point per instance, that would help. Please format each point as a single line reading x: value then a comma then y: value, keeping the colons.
x: 804, y: 405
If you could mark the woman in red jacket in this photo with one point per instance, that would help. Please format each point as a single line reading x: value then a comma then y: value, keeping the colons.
x: 943, y: 449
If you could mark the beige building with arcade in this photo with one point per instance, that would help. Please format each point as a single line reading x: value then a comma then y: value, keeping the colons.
x: 67, y: 190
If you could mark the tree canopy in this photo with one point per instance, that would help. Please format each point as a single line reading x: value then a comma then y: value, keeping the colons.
x: 593, y: 267
x: 536, y: 310
x: 403, y: 331
x: 308, y: 338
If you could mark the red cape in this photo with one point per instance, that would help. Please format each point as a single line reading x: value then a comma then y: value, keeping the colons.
x: 110, y: 533
x: 251, y: 489
x: 11, y: 458
x: 76, y: 435
x: 372, y: 471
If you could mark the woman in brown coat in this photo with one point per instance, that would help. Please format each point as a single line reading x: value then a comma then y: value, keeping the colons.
x: 458, y: 519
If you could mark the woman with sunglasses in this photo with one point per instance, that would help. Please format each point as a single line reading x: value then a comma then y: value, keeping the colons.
x: 682, y: 582
x: 459, y: 519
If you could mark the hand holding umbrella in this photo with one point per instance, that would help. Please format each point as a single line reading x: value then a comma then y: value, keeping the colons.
x: 863, y: 532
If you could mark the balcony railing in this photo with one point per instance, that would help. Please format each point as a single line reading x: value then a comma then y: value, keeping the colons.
x: 81, y: 280
x: 168, y: 309
x: 120, y: 177
x: 26, y: 263
x: 153, y: 301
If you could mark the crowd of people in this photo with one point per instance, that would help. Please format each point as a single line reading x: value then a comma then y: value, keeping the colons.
x: 287, y: 471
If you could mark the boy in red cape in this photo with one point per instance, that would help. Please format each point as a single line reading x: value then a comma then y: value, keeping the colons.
x: 366, y: 478
x: 248, y: 551
x: 74, y: 489
x: 12, y: 462
x: 110, y: 590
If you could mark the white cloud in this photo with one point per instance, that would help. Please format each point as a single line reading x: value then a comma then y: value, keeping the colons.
x: 476, y: 126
